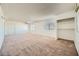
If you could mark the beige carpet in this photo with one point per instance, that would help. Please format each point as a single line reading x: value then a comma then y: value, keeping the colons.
x: 36, y: 45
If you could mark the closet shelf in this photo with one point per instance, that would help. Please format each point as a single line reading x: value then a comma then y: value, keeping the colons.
x: 66, y: 29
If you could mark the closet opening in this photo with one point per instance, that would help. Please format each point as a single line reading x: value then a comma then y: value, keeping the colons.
x: 66, y: 29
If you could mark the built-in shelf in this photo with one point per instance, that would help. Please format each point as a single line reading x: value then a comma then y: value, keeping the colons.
x: 66, y: 28
x: 64, y: 19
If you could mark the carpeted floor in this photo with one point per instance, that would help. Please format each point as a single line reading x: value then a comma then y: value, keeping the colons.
x: 36, y: 45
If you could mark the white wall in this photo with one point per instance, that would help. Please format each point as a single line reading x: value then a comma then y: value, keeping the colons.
x: 77, y: 32
x: 14, y: 27
x: 39, y: 28
x: 1, y: 28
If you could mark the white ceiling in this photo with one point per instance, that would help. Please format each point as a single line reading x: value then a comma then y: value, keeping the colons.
x: 25, y: 11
